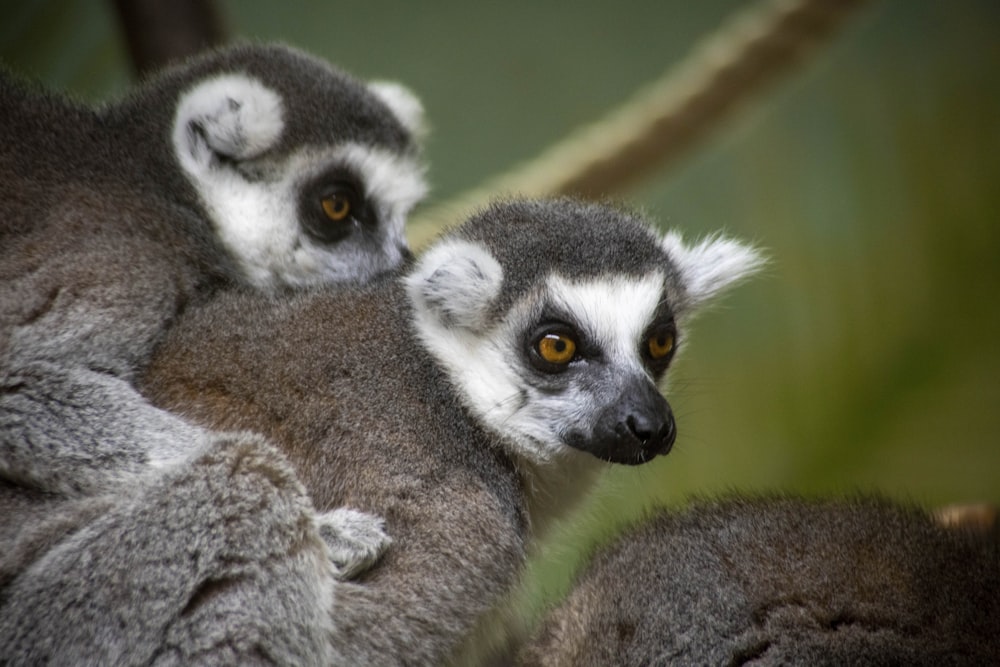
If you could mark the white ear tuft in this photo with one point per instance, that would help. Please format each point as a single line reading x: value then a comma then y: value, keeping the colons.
x: 708, y: 268
x: 230, y: 116
x: 456, y: 282
x: 404, y: 104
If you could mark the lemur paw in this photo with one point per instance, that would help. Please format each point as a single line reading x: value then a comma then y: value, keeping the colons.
x: 356, y: 540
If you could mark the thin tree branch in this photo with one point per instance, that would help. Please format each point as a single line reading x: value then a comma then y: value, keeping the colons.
x: 669, y: 117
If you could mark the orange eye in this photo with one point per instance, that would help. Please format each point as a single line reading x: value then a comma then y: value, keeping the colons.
x: 660, y: 344
x: 556, y: 348
x: 337, y: 207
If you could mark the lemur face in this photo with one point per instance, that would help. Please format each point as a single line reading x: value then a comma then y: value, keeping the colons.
x: 589, y: 356
x: 556, y: 321
x: 572, y: 365
x: 305, y: 186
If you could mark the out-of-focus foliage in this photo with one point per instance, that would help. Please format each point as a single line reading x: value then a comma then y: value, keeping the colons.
x: 866, y: 357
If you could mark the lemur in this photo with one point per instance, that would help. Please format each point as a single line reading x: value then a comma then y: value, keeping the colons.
x: 254, y: 165
x: 470, y: 401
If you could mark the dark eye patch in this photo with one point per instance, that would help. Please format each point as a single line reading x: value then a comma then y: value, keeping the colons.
x: 333, y: 206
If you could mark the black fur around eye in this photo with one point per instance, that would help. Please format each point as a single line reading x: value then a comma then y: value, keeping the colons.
x: 339, y: 206
x: 334, y: 208
x: 659, y: 345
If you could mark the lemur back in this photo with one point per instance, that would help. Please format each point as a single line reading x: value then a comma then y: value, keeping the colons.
x: 782, y: 581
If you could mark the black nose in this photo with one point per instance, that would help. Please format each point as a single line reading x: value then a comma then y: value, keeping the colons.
x: 655, y: 430
x: 634, y: 428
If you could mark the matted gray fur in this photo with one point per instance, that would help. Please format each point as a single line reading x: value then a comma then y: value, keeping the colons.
x: 214, y: 562
x: 782, y: 581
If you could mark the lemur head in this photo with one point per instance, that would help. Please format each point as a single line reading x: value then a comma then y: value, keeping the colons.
x: 556, y: 320
x: 307, y: 174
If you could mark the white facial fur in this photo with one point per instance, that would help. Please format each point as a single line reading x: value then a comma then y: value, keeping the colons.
x: 258, y: 221
x: 612, y: 314
x: 452, y: 289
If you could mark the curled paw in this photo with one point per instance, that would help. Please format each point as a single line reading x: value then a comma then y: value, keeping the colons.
x: 356, y: 540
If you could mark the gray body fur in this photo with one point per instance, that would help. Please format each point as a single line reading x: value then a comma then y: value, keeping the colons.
x: 215, y: 562
x: 105, y: 238
x: 370, y: 417
x: 368, y: 421
x: 782, y: 581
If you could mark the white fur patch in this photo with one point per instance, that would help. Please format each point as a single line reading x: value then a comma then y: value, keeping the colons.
x: 393, y: 183
x: 403, y: 103
x: 451, y: 290
x: 480, y: 364
x: 230, y: 115
x: 710, y: 266
x: 487, y: 366
x: 258, y: 221
x: 455, y: 282
x: 614, y: 313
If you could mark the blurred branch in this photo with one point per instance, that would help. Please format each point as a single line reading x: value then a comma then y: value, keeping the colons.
x: 669, y: 117
x: 969, y: 516
x: 159, y: 31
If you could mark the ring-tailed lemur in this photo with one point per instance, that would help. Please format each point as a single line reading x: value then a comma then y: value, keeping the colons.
x: 253, y: 165
x: 782, y: 581
x: 469, y: 402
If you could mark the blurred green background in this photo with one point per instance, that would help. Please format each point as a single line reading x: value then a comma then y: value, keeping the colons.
x: 868, y: 354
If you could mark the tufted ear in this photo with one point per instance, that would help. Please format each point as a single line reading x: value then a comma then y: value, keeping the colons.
x: 404, y: 105
x: 711, y: 266
x: 455, y: 283
x: 229, y: 117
